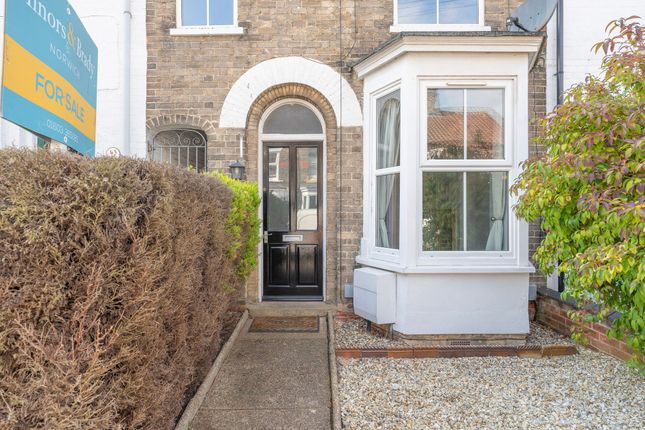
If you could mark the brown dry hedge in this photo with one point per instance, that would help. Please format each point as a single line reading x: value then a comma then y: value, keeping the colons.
x: 115, y: 275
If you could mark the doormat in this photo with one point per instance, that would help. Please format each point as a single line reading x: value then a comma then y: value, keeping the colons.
x: 285, y: 325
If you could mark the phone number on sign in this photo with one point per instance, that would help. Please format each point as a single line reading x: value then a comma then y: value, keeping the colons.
x: 68, y: 135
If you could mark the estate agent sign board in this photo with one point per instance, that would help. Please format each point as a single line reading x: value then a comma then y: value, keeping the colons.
x: 50, y: 72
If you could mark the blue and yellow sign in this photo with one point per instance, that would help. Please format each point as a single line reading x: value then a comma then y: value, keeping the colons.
x: 50, y: 72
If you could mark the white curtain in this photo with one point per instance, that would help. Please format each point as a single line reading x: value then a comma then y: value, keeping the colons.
x: 498, y: 212
x: 388, y: 151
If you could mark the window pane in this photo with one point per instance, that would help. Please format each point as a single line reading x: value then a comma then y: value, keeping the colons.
x: 487, y: 204
x: 417, y: 12
x: 443, y: 211
x: 485, y: 119
x: 221, y: 12
x: 193, y: 12
x: 388, y: 146
x: 307, y: 213
x: 278, y: 190
x: 445, y: 124
x: 458, y: 12
x: 292, y: 119
x: 387, y: 211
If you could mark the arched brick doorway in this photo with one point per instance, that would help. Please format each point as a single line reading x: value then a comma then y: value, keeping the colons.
x: 257, y: 168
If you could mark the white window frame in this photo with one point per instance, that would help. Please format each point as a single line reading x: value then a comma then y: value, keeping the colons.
x: 190, y: 30
x: 397, y: 28
x: 377, y: 252
x: 467, y: 258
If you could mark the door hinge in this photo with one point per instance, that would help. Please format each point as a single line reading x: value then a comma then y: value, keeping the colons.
x: 266, y: 237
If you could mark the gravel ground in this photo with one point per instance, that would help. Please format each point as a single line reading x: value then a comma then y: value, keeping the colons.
x: 541, y: 335
x: 585, y: 391
x: 353, y: 334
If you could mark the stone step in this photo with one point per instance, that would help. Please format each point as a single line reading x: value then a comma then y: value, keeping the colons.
x: 289, y: 309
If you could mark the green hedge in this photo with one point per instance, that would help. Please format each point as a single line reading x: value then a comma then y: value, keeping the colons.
x: 243, y: 224
x: 115, y: 276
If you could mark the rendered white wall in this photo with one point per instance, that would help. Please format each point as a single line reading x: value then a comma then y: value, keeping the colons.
x: 458, y: 303
x: 584, y: 25
x: 104, y: 22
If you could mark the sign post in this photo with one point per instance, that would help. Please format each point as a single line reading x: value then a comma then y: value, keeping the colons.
x: 50, y: 72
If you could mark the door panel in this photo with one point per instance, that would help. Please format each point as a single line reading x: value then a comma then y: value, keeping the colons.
x: 279, y: 262
x: 307, y: 270
x: 292, y: 221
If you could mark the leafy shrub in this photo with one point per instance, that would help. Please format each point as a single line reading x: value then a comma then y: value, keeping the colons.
x: 589, y: 189
x: 243, y: 224
x: 114, y: 278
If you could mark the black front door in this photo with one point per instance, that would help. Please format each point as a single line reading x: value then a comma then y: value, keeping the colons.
x: 293, y: 221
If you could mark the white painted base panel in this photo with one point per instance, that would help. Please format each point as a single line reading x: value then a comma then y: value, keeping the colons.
x: 462, y: 304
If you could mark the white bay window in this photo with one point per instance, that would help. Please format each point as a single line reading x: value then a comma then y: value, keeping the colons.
x: 443, y: 157
x: 458, y: 253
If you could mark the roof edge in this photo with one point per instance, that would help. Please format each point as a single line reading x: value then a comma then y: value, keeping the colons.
x: 451, y: 41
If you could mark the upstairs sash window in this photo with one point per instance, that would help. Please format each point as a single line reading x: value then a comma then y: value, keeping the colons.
x: 207, y: 13
x: 437, y: 11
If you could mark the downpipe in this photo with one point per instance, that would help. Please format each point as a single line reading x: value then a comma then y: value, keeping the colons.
x: 126, y: 77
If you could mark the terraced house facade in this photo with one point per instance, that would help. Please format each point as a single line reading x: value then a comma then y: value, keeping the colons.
x: 384, y: 136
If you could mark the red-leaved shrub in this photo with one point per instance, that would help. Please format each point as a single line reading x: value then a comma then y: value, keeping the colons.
x: 115, y: 275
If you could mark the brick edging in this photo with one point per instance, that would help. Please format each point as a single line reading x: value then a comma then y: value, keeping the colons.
x: 553, y: 312
x: 523, y: 351
x: 333, y: 374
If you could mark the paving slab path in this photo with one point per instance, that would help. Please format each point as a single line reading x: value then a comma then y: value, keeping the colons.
x: 271, y: 380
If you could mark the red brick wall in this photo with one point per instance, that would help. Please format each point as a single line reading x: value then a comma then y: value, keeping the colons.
x: 553, y: 313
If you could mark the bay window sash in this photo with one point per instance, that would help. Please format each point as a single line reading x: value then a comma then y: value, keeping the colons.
x: 464, y: 167
x: 468, y: 85
x: 386, y: 173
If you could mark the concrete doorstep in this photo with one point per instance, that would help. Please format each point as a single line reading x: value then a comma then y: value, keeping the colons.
x: 267, y: 380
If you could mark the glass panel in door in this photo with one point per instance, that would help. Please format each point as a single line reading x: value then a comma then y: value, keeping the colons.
x: 278, y: 189
x: 307, y: 191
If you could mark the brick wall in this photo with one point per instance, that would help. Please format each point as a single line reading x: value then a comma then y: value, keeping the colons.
x: 189, y: 78
x: 553, y: 313
x: 537, y: 111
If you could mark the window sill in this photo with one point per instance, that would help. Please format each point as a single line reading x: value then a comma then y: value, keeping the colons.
x: 400, y: 28
x: 447, y: 268
x: 207, y: 31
